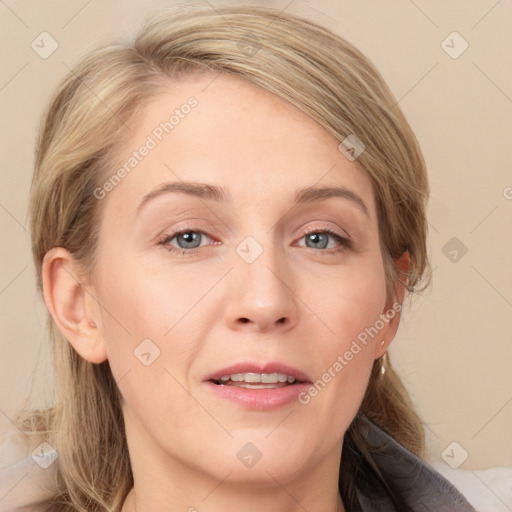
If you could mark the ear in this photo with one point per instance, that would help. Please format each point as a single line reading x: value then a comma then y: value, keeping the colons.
x: 392, y: 310
x: 71, y: 305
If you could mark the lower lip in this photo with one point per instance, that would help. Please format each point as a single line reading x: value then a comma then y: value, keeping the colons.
x: 261, y: 399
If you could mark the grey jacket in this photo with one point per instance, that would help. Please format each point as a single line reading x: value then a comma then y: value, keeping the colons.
x: 416, y: 483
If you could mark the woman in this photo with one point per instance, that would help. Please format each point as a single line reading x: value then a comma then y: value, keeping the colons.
x: 225, y: 218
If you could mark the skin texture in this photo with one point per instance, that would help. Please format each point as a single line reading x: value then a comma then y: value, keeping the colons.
x: 210, y: 309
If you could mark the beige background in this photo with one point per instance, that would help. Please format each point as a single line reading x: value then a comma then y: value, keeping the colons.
x: 453, y: 348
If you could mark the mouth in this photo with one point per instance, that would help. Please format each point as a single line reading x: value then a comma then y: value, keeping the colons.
x: 259, y: 375
x: 257, y: 386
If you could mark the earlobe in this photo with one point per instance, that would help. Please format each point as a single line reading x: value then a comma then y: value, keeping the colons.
x: 65, y: 298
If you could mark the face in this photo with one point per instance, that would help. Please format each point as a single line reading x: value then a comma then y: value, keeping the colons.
x: 196, y: 285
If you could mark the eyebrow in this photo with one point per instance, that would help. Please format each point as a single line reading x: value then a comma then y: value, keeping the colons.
x: 220, y: 194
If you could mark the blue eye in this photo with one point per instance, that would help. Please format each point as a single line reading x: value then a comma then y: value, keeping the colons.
x: 189, y: 241
x: 321, y: 239
x: 189, y: 238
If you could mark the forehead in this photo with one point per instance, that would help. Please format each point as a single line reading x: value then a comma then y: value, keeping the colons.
x: 222, y: 129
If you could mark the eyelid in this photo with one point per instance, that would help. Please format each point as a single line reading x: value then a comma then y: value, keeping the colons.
x: 331, y: 229
x: 302, y: 232
x: 326, y: 225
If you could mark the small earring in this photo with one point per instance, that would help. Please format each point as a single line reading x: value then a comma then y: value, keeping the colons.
x: 382, y: 363
x: 382, y: 343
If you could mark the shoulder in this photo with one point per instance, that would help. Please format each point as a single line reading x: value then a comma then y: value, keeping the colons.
x: 27, y: 478
x: 417, y: 484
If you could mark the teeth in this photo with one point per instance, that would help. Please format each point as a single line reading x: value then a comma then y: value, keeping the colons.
x: 259, y: 385
x: 255, y: 378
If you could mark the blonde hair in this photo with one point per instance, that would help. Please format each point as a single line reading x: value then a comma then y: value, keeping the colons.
x: 308, y: 65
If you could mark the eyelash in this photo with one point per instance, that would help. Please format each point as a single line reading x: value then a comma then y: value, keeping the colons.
x: 346, y: 244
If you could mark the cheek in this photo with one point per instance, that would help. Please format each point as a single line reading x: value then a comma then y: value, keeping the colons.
x: 350, y: 308
x: 142, y: 301
x: 140, y: 316
x: 349, y: 302
x: 144, y: 318
x: 149, y: 331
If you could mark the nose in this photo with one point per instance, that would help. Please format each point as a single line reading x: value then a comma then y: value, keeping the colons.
x: 261, y: 295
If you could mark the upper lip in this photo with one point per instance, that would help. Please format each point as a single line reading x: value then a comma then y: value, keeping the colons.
x: 253, y: 367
